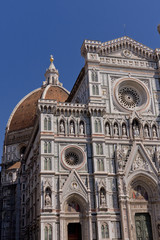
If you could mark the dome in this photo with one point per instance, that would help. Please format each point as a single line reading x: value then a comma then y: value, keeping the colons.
x: 24, y: 114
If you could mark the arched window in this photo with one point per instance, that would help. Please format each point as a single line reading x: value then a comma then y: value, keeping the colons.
x: 47, y: 147
x: 104, y: 231
x: 98, y: 164
x: 94, y: 76
x: 99, y: 149
x: 101, y: 165
x: 47, y: 123
x: 93, y: 90
x: 47, y: 164
x: 98, y: 127
x: 97, y: 90
x: 48, y: 232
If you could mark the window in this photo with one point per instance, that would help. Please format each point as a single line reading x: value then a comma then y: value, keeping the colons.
x: 95, y: 90
x: 99, y: 149
x: 47, y: 123
x: 100, y: 165
x: 104, y: 79
x: 97, y: 125
x: 94, y: 76
x: 47, y: 164
x: 47, y: 147
x: 105, y: 230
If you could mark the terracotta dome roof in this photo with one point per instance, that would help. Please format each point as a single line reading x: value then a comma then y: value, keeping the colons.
x: 24, y: 114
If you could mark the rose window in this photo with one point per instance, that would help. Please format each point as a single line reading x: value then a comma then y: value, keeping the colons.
x: 128, y: 97
x: 71, y: 158
x: 131, y: 94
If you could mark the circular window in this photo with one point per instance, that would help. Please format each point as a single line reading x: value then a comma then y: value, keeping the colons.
x: 131, y: 94
x: 73, y: 157
x: 128, y: 97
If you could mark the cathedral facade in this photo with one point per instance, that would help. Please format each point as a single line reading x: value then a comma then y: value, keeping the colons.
x: 86, y: 164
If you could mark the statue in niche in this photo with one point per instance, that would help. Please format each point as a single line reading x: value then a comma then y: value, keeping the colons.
x: 135, y: 130
x: 102, y: 198
x: 154, y: 131
x: 124, y: 130
x: 107, y: 129
x: 47, y: 200
x: 146, y: 132
x: 62, y: 127
x: 81, y: 128
x: 116, y: 132
x: 71, y: 127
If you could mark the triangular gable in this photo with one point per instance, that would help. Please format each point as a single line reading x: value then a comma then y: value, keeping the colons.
x: 74, y: 185
x: 115, y: 45
x: 139, y: 160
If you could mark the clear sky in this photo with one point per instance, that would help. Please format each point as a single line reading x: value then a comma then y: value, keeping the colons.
x: 32, y: 30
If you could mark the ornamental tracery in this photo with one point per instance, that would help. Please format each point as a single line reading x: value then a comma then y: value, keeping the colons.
x: 131, y: 94
x: 73, y: 157
x: 128, y: 97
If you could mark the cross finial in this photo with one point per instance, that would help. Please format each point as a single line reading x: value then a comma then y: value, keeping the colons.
x: 51, y: 58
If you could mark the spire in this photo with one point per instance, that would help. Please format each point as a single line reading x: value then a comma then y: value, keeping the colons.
x: 52, y: 74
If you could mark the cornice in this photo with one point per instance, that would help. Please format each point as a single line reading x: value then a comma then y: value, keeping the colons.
x: 105, y: 48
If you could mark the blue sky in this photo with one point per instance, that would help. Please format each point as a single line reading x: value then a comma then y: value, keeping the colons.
x: 32, y: 30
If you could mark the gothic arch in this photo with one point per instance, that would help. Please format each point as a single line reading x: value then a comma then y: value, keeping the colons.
x: 146, y: 180
x: 77, y: 198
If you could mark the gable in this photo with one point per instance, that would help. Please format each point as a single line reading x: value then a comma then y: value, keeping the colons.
x: 139, y: 161
x: 124, y: 45
x: 74, y: 185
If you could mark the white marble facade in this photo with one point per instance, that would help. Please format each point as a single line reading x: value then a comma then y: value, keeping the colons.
x: 93, y: 163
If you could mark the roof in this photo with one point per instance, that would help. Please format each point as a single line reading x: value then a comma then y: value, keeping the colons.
x: 15, y: 166
x: 24, y: 114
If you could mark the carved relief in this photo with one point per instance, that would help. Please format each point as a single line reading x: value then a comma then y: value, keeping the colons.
x: 140, y: 163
